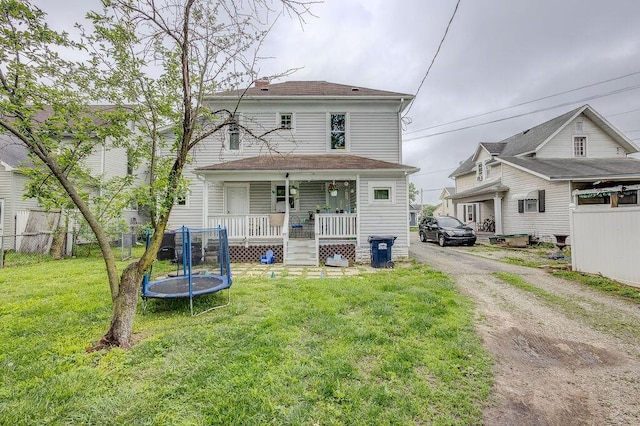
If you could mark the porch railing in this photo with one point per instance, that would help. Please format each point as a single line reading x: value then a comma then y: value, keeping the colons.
x: 257, y: 226
x: 247, y: 226
x: 342, y: 225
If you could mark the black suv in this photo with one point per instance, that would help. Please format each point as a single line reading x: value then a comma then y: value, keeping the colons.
x: 446, y: 230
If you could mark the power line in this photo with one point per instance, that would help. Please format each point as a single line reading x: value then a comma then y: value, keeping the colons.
x: 588, y: 98
x: 624, y: 112
x: 433, y: 172
x: 529, y: 102
x: 434, y: 58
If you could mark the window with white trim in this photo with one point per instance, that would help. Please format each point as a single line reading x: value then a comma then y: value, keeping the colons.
x: 530, y: 205
x: 579, y: 146
x: 480, y: 176
x: 338, y: 131
x: 382, y: 192
x: 285, y: 120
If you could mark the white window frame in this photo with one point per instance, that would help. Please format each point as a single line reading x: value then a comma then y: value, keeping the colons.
x: 274, y: 197
x: 186, y: 200
x: 382, y: 185
x: 584, y: 147
x: 530, y: 205
x: 579, y: 126
x: 279, y: 115
x: 480, y: 171
x: 347, y: 128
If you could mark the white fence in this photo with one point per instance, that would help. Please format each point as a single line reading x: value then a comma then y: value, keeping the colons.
x: 606, y: 241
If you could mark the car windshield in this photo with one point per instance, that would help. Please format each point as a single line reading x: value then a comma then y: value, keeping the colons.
x: 449, y: 222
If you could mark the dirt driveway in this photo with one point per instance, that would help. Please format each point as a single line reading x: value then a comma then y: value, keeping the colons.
x: 572, y: 357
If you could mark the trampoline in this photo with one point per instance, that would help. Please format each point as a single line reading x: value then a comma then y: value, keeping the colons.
x: 208, y: 249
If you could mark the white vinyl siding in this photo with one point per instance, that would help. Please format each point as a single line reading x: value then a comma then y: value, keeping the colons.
x: 260, y: 197
x: 600, y: 145
x: 466, y: 182
x: 555, y: 218
x: 383, y: 218
x: 375, y: 135
x: 12, y: 186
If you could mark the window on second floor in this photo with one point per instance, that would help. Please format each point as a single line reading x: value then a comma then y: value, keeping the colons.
x: 480, y: 176
x: 579, y: 146
x: 234, y: 135
x: 338, y: 137
x: 285, y: 120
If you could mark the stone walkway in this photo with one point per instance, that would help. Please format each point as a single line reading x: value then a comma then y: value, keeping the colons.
x: 254, y: 270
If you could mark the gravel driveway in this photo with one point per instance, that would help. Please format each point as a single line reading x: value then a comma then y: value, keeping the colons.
x: 567, y: 359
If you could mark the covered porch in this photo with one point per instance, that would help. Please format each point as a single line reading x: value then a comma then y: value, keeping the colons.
x: 476, y: 205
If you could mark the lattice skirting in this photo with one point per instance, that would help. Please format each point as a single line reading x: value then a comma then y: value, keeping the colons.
x: 251, y: 254
x: 348, y: 251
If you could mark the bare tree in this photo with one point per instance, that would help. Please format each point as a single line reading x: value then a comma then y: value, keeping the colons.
x: 157, y: 61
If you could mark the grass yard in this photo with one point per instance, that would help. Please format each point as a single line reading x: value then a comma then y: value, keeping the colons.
x: 394, y: 347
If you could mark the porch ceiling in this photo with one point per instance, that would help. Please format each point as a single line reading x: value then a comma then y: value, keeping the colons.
x: 306, y: 163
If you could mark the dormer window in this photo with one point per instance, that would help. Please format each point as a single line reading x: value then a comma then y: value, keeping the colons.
x: 579, y: 146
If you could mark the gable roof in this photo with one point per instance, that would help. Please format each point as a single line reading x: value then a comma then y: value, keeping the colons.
x: 577, y: 168
x: 531, y: 140
x: 13, y: 153
x: 306, y: 162
x: 311, y: 89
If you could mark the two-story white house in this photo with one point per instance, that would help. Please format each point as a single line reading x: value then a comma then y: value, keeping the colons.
x: 327, y: 180
x: 525, y: 182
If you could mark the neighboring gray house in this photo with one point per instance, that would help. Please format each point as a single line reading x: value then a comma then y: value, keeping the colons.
x: 414, y: 214
x: 321, y: 185
x: 526, y: 181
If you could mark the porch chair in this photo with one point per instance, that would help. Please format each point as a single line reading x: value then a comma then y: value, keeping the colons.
x: 267, y: 258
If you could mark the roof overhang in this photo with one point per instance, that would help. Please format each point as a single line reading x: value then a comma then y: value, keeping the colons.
x: 481, y: 193
x: 304, y: 167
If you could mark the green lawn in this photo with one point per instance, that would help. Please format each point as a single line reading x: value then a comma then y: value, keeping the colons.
x: 394, y: 347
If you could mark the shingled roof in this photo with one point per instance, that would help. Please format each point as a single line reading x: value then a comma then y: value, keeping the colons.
x: 13, y: 153
x: 530, y: 140
x: 311, y: 89
x: 578, y: 168
x: 306, y: 162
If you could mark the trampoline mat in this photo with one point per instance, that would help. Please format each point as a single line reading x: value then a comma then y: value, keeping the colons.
x: 179, y: 286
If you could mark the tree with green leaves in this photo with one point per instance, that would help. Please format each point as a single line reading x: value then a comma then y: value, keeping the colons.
x: 155, y: 62
x: 413, y: 192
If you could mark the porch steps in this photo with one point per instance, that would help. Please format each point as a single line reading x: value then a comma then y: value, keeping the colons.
x: 301, y: 253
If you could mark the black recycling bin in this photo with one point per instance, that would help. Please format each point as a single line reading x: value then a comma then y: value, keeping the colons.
x: 381, y: 250
x: 167, y: 249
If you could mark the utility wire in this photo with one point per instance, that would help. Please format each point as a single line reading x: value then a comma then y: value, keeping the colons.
x: 624, y: 112
x: 434, y: 58
x: 529, y: 102
x: 588, y: 98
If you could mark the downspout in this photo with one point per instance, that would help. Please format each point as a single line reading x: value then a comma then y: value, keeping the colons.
x: 400, y: 131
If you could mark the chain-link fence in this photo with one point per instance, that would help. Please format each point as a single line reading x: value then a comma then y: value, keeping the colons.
x: 35, y: 247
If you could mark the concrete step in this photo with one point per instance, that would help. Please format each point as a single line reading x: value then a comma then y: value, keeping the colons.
x: 301, y: 253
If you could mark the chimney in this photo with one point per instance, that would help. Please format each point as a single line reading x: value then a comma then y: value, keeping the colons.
x: 262, y: 82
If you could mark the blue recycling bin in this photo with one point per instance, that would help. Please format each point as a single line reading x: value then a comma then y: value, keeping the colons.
x: 381, y: 250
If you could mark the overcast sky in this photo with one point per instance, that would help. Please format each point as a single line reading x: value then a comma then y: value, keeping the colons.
x: 498, y: 53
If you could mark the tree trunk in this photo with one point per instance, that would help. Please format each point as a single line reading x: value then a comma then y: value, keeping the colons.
x: 124, y: 309
x: 59, y: 240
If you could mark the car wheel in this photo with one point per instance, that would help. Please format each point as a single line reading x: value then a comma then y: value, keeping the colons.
x: 470, y: 244
x: 441, y: 240
x: 423, y: 237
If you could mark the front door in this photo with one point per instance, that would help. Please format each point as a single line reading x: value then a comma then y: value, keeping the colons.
x: 237, y: 199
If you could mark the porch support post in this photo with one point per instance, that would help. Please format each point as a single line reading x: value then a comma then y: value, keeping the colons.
x: 205, y: 203
x: 497, y: 211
